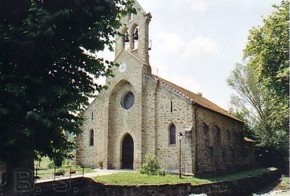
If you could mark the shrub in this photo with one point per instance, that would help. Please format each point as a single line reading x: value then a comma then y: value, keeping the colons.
x: 59, y: 172
x: 161, y: 172
x: 151, y: 166
x: 101, y: 164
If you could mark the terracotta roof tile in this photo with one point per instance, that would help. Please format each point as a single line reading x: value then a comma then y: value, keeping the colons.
x: 196, y: 98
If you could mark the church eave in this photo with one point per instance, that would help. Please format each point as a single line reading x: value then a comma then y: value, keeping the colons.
x: 193, y: 101
x: 236, y: 119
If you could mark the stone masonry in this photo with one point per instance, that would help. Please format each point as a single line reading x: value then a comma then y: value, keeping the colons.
x: 213, y: 141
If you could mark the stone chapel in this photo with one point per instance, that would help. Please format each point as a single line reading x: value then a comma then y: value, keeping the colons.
x: 141, y: 113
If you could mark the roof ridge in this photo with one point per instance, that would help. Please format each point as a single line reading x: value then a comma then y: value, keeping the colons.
x: 202, y: 101
x: 140, y: 7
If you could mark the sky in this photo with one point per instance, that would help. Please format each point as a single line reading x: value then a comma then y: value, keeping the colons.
x: 197, y: 43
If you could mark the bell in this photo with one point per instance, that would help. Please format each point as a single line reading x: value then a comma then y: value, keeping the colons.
x: 136, y: 36
x: 127, y: 39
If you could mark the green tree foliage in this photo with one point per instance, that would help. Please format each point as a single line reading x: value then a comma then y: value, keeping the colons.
x: 267, y: 48
x: 262, y: 84
x: 253, y: 104
x: 249, y: 102
x: 45, y: 76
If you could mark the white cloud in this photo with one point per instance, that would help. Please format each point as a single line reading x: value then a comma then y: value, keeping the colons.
x: 187, y: 82
x: 199, y: 6
x: 198, y: 47
x: 171, y: 43
x: 195, y: 48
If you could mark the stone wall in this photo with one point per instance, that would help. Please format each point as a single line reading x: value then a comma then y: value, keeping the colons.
x: 87, y: 154
x: 181, y: 116
x: 221, y: 147
x: 88, y: 187
x: 244, y: 186
x: 213, y: 143
x: 111, y: 122
x: 147, y: 121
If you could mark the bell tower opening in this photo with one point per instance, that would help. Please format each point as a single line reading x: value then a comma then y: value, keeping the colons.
x: 135, y: 39
x: 126, y: 42
x: 135, y: 34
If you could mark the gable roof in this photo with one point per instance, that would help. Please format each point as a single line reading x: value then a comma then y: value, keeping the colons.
x: 196, y: 99
x: 129, y: 53
x: 137, y: 4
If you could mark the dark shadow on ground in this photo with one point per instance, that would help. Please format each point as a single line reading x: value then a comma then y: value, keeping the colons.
x: 268, y: 188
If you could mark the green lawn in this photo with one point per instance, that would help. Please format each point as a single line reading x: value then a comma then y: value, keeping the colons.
x: 135, y: 178
x: 244, y: 174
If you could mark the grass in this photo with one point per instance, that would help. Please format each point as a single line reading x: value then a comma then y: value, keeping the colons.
x: 135, y: 178
x: 244, y: 174
x: 45, y: 168
x: 43, y: 163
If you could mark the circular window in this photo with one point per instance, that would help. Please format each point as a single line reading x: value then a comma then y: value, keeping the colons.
x: 128, y: 100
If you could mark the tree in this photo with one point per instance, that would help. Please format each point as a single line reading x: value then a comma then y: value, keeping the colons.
x: 267, y: 51
x: 252, y: 104
x: 249, y: 100
x: 267, y: 48
x: 262, y: 84
x: 45, y: 76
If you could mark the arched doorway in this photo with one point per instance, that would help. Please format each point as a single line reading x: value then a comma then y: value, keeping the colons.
x: 127, y: 152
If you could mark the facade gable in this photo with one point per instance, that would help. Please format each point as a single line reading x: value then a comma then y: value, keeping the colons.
x: 135, y: 116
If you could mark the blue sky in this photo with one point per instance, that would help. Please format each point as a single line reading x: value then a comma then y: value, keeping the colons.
x: 196, y: 43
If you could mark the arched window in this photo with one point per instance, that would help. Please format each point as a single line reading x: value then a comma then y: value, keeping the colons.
x: 126, y: 43
x: 91, y: 137
x: 172, y: 134
x: 135, y: 37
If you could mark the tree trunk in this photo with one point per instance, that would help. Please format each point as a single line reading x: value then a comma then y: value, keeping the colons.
x: 20, y: 174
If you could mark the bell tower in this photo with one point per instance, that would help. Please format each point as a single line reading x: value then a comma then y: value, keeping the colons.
x: 136, y: 30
